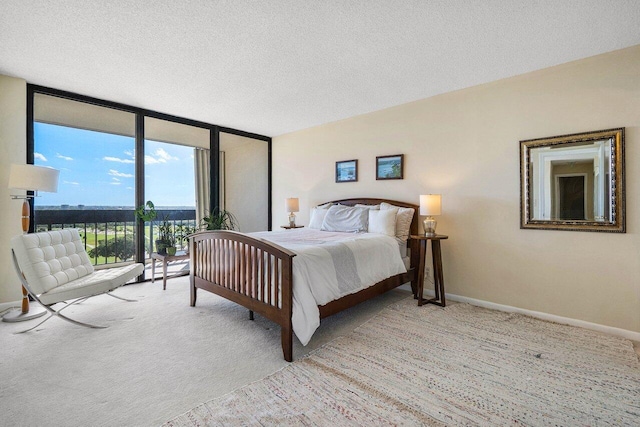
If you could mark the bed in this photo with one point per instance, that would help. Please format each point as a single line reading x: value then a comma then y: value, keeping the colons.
x: 257, y: 271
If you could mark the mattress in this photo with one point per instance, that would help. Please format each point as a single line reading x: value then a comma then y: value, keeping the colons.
x: 330, y: 265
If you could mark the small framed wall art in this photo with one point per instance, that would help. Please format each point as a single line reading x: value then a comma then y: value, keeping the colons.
x: 347, y: 171
x: 390, y: 167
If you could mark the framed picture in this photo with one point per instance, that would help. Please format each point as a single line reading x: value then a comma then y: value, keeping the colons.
x: 347, y: 171
x: 390, y: 167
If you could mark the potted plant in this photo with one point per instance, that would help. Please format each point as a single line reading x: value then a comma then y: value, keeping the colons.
x: 166, y: 238
x: 219, y: 220
x: 147, y: 213
x: 166, y: 241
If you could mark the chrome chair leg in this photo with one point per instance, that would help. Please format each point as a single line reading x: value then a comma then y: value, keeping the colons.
x: 56, y: 313
x: 51, y: 311
x: 120, y: 298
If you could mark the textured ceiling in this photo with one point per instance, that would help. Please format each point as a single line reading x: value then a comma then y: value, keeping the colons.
x: 272, y: 67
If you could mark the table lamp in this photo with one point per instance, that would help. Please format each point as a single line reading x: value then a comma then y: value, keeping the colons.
x: 292, y: 205
x: 30, y: 178
x: 430, y: 205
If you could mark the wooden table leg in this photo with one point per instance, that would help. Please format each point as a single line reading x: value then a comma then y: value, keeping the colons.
x: 420, y: 284
x: 153, y: 270
x: 164, y: 274
x: 438, y: 279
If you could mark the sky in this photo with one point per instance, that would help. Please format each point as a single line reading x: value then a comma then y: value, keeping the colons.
x: 98, y: 169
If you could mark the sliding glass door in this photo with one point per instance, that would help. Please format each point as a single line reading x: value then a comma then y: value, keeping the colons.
x: 170, y: 178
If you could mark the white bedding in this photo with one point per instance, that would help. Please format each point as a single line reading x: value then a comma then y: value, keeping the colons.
x: 330, y: 265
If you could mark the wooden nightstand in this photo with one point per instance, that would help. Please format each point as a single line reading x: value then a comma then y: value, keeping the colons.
x: 288, y: 227
x: 438, y: 279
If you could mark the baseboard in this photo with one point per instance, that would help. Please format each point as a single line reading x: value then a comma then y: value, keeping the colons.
x: 624, y: 333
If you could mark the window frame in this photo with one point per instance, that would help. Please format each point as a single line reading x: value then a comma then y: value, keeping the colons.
x: 140, y: 115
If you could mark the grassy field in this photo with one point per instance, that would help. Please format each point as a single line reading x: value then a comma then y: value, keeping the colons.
x: 93, y: 237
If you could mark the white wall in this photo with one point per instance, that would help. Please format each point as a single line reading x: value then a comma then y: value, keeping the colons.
x: 465, y: 145
x: 13, y: 148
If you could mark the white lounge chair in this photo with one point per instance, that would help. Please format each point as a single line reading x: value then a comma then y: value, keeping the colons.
x: 54, y: 267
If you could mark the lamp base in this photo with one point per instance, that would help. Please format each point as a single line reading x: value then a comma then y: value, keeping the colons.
x: 429, y: 224
x: 292, y: 219
x: 18, y: 316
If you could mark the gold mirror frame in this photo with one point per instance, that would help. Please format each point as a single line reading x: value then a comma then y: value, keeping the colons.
x: 615, y: 189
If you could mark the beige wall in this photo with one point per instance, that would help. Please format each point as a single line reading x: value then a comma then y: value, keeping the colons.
x: 465, y: 145
x: 13, y: 148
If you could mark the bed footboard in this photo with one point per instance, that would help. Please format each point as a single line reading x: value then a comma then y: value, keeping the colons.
x: 251, y: 272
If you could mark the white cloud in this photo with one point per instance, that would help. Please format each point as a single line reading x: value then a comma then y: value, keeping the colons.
x: 115, y: 179
x: 149, y: 160
x: 160, y: 156
x: 128, y: 153
x: 114, y: 172
x: 39, y: 157
x: 164, y: 155
x: 71, y: 182
x: 116, y: 159
x: 60, y: 156
x: 115, y: 183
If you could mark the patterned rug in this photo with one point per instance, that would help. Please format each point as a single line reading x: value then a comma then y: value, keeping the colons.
x: 461, y: 365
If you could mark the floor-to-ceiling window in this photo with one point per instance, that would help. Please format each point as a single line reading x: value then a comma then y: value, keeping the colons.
x: 93, y: 147
x: 113, y: 158
x: 170, y: 150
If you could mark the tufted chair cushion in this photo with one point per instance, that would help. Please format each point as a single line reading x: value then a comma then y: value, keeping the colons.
x: 51, y: 259
x: 57, y: 267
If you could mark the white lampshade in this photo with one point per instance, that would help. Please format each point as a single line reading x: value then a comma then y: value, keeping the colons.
x: 430, y: 204
x: 33, y: 178
x: 292, y: 204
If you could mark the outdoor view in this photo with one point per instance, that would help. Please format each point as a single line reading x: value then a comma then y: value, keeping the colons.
x: 96, y: 191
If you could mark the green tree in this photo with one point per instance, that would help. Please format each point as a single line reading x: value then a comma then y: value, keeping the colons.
x: 395, y: 171
x: 122, y: 248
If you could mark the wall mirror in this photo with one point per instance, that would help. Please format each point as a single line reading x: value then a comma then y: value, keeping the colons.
x: 573, y: 182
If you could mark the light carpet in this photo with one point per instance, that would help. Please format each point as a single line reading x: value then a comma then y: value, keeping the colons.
x: 158, y: 358
x: 461, y: 365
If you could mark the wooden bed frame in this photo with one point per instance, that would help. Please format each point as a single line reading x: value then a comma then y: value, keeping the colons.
x: 258, y: 274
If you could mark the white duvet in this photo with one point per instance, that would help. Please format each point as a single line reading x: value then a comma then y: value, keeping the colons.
x: 329, y: 265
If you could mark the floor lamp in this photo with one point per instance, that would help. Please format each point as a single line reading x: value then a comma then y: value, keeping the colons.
x: 30, y: 178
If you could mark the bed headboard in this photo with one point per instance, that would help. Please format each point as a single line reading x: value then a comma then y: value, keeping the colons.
x: 367, y: 201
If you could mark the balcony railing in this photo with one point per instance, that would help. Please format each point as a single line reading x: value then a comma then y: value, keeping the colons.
x: 114, y: 228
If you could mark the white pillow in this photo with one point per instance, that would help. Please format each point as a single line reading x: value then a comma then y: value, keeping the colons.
x: 346, y: 219
x: 376, y: 207
x: 403, y: 220
x: 317, y: 216
x: 383, y: 221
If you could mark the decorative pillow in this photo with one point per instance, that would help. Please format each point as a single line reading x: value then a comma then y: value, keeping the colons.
x: 403, y: 220
x: 376, y: 207
x: 317, y: 216
x: 346, y: 219
x: 383, y: 221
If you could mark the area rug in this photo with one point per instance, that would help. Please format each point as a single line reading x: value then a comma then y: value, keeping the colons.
x: 461, y: 365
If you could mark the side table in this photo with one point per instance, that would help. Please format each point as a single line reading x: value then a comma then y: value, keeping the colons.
x: 289, y: 227
x: 438, y: 279
x: 164, y: 258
